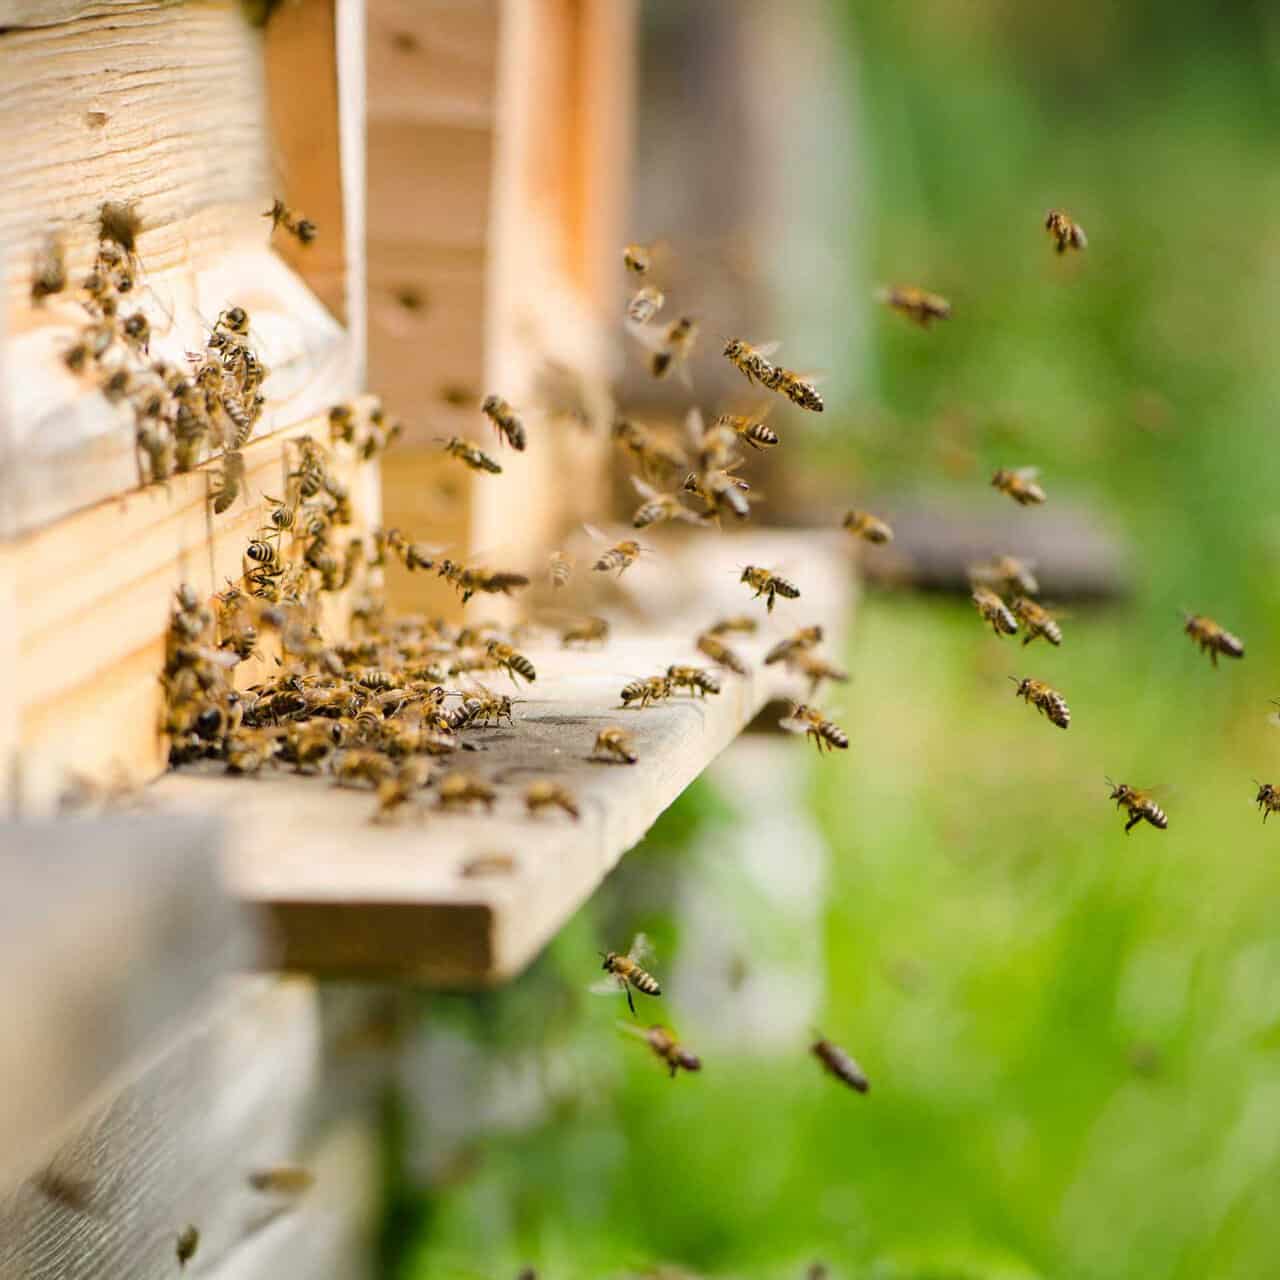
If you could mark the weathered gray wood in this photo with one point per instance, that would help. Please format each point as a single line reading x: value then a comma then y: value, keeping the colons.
x: 110, y: 928
x: 394, y: 900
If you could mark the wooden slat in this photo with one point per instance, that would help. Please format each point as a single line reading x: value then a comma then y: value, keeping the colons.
x: 393, y: 900
x: 111, y: 929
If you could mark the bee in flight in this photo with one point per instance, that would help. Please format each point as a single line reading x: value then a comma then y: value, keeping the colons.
x: 1267, y: 799
x: 1007, y: 574
x: 302, y: 229
x: 645, y: 303
x: 673, y: 349
x: 1141, y: 807
x: 503, y: 416
x: 471, y: 456
x: 658, y: 507
x: 769, y: 585
x: 749, y: 428
x: 813, y: 724
x: 916, y: 304
x: 867, y: 527
x: 1048, y: 701
x: 559, y: 569
x: 626, y: 972
x: 840, y: 1064
x: 620, y: 555
x: 995, y: 611
x: 1211, y: 638
x: 710, y: 643
x: 1066, y: 232
x: 665, y: 1047
x: 1020, y: 484
x: 755, y: 365
x: 796, y: 642
x: 1036, y: 621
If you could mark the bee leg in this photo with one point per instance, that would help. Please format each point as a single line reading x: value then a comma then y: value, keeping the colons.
x: 631, y: 1004
x: 1133, y: 822
x: 673, y: 1071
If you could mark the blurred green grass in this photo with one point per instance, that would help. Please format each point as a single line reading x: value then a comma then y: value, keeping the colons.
x: 1073, y: 1035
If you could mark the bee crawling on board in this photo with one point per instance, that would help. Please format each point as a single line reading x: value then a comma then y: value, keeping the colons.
x: 646, y: 690
x: 187, y: 1243
x: 1046, y: 700
x: 994, y: 610
x: 504, y: 418
x: 1139, y: 804
x: 462, y: 790
x: 1267, y: 799
x: 1065, y: 231
x: 49, y: 271
x: 840, y: 1064
x: 697, y: 680
x: 614, y: 746
x: 918, y: 305
x: 285, y: 1180
x: 1020, y: 484
x: 826, y: 734
x: 302, y: 229
x: 1036, y: 621
x: 626, y: 972
x: 666, y: 1048
x: 1212, y: 638
x: 862, y: 524
x: 768, y: 584
x: 545, y: 794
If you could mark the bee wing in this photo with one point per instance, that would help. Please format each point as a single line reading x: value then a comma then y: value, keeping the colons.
x: 792, y: 725
x: 695, y: 428
x: 595, y: 534
x: 1027, y: 473
x: 646, y: 491
x: 605, y: 987
x: 641, y: 949
x: 632, y: 1029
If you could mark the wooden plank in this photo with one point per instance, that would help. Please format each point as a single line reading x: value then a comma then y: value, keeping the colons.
x: 395, y: 900
x: 243, y: 1087
x: 112, y: 102
x: 111, y: 928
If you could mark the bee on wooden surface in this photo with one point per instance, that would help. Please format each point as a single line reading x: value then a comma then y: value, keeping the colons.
x: 739, y: 622
x: 514, y: 663
x: 471, y: 456
x: 1267, y: 799
x: 768, y: 584
x: 655, y: 509
x: 994, y: 610
x: 302, y: 229
x: 1036, y: 621
x: 614, y: 745
x: 666, y: 1048
x: 245, y: 754
x: 309, y: 747
x: 49, y: 272
x: 867, y: 527
x: 621, y: 556
x: 827, y: 735
x: 483, y: 707
x: 646, y: 690
x: 1141, y: 807
x: 286, y: 1179
x: 659, y: 458
x: 231, y: 479
x: 559, y: 570
x: 119, y: 223
x: 1211, y: 638
x: 187, y: 1244
x: 397, y: 790
x: 1048, y: 701
x: 697, y: 680
x: 361, y: 768
x: 916, y: 304
x: 815, y: 668
x: 461, y: 790
x: 749, y: 428
x: 627, y: 972
x: 673, y: 349
x: 645, y: 303
x: 1020, y: 484
x: 584, y: 631
x: 488, y: 864
x: 714, y: 647
x: 804, y: 638
x: 156, y: 445
x: 840, y: 1064
x: 545, y: 794
x: 1065, y: 231
x: 1006, y: 574
x: 503, y: 417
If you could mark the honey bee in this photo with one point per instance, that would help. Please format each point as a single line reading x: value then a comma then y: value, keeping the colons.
x: 488, y: 864
x: 867, y: 527
x: 620, y: 556
x: 230, y: 481
x: 361, y: 767
x: 1141, y: 807
x: 156, y: 445
x: 396, y: 791
x: 916, y: 304
x: 559, y: 569
x: 585, y: 631
x: 769, y: 585
x: 486, y: 708
x: 188, y: 1243
x: 698, y: 681
x: 816, y: 669
x: 804, y: 638
x: 798, y: 389
x: 646, y: 690
x: 752, y: 362
x: 286, y: 1179
x: 615, y: 745
x: 1211, y: 638
x: 741, y: 622
x: 303, y: 229
x: 544, y: 794
x: 503, y: 417
x: 49, y: 273
x: 1020, y: 484
x: 645, y: 303
x: 674, y: 347
x: 461, y: 790
x: 637, y: 258
x: 1065, y: 231
x: 720, y: 489
x: 840, y: 1064
x: 995, y: 611
x: 749, y: 428
x: 664, y: 1045
x: 626, y: 972
x: 658, y: 457
x: 709, y: 643
x: 234, y: 320
x: 1048, y: 701
x: 119, y: 223
x: 656, y: 508
x: 514, y: 663
x: 1036, y: 621
x: 469, y: 455
x: 827, y: 736
x: 245, y: 754
x: 1267, y: 799
x: 1006, y: 574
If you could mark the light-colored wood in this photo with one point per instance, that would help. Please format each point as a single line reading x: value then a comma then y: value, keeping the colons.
x: 94, y: 593
x: 165, y: 105
x: 393, y: 900
x: 243, y: 1087
x: 111, y: 928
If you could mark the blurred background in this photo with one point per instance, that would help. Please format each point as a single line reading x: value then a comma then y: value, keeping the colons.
x: 1073, y: 1037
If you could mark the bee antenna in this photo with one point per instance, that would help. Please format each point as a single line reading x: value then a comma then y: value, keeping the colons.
x: 1015, y: 679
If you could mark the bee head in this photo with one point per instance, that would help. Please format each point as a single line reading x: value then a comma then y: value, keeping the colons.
x: 1120, y: 791
x: 733, y: 348
x: 489, y: 404
x: 609, y: 958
